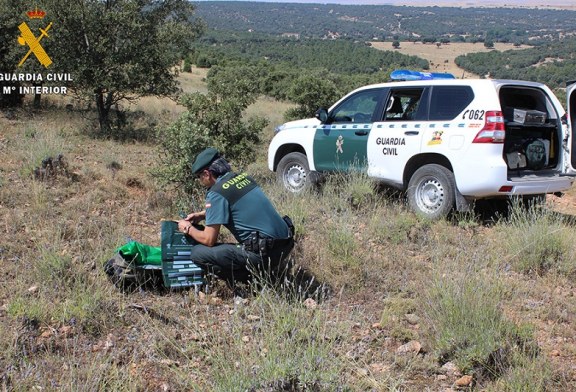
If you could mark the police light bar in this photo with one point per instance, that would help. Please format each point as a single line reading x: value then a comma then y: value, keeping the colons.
x: 405, y: 74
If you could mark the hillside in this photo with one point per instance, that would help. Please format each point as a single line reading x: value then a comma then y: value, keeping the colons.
x: 503, y: 43
x: 554, y: 4
x: 384, y: 22
x: 483, y: 302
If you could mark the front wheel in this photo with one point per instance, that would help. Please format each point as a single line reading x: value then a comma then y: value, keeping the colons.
x: 431, y: 191
x: 293, y: 172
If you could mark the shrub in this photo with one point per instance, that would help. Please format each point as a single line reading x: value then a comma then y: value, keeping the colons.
x: 538, y: 241
x: 467, y: 324
x: 311, y: 92
x: 38, y: 145
x: 211, y: 120
x: 529, y: 374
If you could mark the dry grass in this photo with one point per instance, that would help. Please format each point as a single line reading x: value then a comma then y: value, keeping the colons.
x: 194, y: 80
x: 154, y: 107
x: 442, y: 58
x: 63, y: 326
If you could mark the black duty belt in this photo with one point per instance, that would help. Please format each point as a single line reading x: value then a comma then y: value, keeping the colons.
x: 263, y: 245
x: 281, y: 242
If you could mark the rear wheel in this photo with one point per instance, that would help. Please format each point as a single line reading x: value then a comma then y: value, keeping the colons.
x: 431, y: 191
x: 293, y: 172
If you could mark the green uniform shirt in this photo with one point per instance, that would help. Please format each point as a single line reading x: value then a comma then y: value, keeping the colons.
x: 245, y: 208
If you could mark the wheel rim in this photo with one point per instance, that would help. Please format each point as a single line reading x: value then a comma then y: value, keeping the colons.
x: 430, y: 195
x: 295, y: 177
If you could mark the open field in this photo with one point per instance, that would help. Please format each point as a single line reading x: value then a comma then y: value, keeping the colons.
x: 412, y: 305
x: 442, y: 58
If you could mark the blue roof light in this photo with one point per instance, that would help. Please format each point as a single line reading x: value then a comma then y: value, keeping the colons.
x: 406, y: 74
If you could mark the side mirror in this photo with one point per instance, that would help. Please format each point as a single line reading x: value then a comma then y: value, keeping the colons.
x: 322, y: 115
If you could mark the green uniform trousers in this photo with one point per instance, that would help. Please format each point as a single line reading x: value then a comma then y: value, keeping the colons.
x: 234, y: 264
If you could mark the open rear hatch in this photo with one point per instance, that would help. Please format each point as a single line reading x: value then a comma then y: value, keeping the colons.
x: 571, y: 115
x: 533, y: 131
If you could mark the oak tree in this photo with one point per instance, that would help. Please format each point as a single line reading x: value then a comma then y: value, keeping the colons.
x: 121, y: 49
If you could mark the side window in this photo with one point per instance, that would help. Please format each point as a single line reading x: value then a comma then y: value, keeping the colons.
x: 404, y: 104
x: 449, y: 101
x: 358, y: 108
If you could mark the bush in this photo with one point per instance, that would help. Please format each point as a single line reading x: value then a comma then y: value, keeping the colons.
x: 187, y: 66
x: 538, y: 241
x: 531, y: 374
x: 467, y: 324
x: 311, y: 92
x: 212, y: 120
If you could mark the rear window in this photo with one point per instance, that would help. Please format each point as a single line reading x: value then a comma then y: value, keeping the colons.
x: 447, y: 102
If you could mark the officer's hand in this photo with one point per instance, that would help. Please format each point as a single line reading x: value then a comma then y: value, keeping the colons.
x: 195, y: 217
x: 184, y: 226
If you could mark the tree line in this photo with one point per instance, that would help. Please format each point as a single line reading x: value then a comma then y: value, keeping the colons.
x: 387, y: 23
x: 340, y: 56
x: 553, y: 64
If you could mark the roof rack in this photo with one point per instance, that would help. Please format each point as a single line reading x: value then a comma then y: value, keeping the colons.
x: 406, y: 74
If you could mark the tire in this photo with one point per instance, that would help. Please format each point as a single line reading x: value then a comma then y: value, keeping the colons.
x: 293, y: 172
x: 431, y: 191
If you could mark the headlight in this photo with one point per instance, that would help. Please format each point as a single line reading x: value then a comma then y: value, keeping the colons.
x: 279, y: 128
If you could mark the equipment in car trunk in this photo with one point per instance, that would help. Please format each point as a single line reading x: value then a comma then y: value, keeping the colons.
x: 529, y: 153
x: 523, y: 116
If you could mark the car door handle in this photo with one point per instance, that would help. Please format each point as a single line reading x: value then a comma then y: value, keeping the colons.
x: 361, y: 133
x: 411, y: 133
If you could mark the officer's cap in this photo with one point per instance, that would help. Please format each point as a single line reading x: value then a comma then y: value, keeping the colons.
x: 204, y: 159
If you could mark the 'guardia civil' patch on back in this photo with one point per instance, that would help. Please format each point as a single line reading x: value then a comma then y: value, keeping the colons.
x: 234, y: 186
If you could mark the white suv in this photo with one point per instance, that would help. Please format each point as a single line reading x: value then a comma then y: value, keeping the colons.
x: 447, y: 142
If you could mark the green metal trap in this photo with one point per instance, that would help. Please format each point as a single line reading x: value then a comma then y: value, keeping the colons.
x: 178, y: 269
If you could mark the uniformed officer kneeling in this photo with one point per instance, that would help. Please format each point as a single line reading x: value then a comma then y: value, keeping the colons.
x: 265, y: 239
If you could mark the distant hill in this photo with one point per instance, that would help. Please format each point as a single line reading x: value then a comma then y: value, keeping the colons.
x: 564, y: 4
x: 388, y: 22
